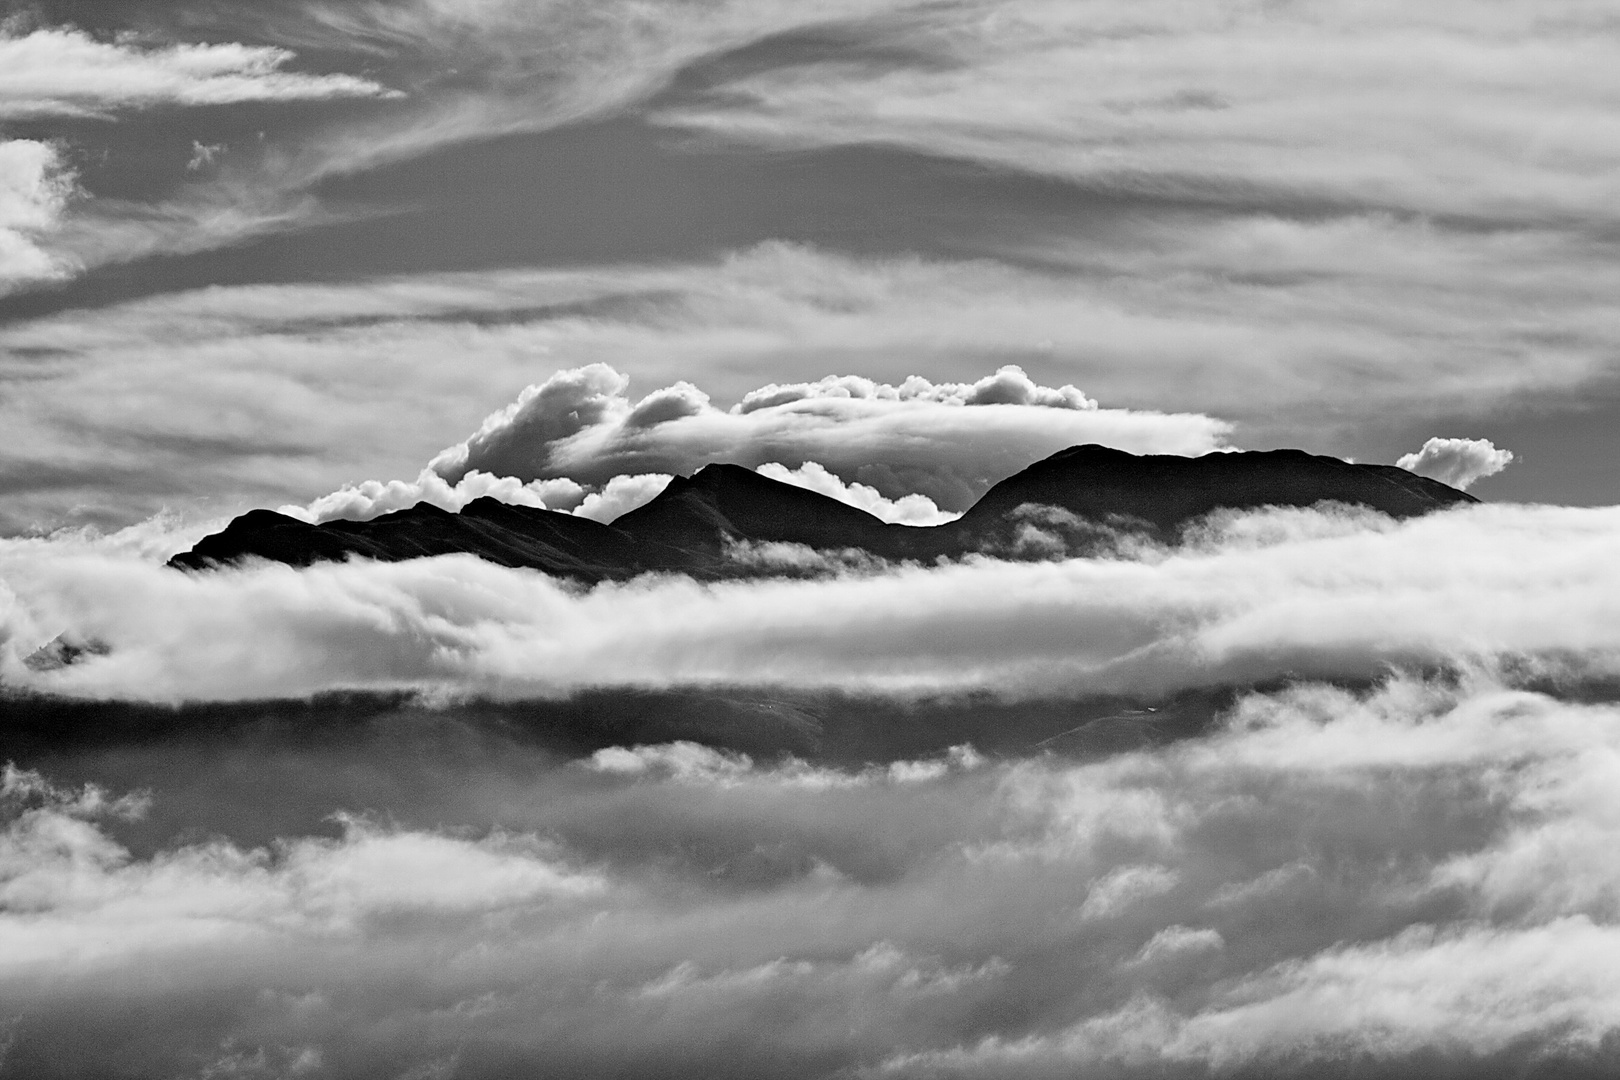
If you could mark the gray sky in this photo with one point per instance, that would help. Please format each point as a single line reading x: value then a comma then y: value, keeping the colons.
x: 253, y: 252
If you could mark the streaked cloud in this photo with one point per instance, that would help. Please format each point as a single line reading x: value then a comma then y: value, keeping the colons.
x: 63, y: 71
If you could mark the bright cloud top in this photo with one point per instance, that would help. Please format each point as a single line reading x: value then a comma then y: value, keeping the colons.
x: 1255, y: 596
x: 1420, y: 873
x: 64, y: 71
x: 949, y: 442
x: 1458, y: 462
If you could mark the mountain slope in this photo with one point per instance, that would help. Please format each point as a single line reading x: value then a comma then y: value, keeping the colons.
x: 693, y: 524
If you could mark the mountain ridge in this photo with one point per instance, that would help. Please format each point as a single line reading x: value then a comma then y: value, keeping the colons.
x: 694, y: 525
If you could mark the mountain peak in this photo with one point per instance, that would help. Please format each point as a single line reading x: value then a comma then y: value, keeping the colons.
x: 694, y: 525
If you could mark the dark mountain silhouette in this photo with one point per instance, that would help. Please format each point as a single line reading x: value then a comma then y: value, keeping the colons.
x: 1077, y: 496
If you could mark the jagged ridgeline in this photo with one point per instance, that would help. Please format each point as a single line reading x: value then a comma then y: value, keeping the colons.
x: 698, y: 524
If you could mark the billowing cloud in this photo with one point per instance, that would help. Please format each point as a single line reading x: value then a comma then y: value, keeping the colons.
x: 948, y: 442
x: 56, y: 71
x: 1410, y: 878
x: 35, y: 185
x: 1253, y: 596
x: 910, y: 509
x: 1458, y: 462
x: 621, y: 494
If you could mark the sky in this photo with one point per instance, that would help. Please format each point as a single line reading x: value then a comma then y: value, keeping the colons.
x: 1298, y: 792
x: 252, y: 253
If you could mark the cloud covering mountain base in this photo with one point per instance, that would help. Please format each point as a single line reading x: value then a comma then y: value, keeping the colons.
x: 1315, y: 792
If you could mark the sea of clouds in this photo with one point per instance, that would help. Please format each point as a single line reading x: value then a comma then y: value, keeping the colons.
x: 1388, y: 854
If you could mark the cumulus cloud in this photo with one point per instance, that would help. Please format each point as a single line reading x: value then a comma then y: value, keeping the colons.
x: 1255, y: 596
x: 1458, y: 462
x: 56, y: 71
x: 1410, y: 878
x: 948, y: 442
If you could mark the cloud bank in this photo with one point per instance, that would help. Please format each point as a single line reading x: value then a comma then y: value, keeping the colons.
x: 1406, y: 881
x: 1255, y: 596
x: 948, y: 442
x: 1458, y: 462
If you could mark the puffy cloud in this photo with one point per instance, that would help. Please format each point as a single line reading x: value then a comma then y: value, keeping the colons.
x: 372, y: 498
x: 1254, y: 596
x: 948, y: 442
x: 35, y: 185
x: 64, y: 71
x: 1458, y: 462
x: 1324, y: 876
x: 910, y: 509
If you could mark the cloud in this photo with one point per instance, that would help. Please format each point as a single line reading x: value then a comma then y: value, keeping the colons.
x: 35, y: 187
x: 620, y: 495
x: 1255, y: 596
x: 948, y: 442
x: 1458, y: 462
x: 63, y: 71
x: 1323, y: 876
x: 1159, y: 99
x: 910, y: 509
x: 288, y: 391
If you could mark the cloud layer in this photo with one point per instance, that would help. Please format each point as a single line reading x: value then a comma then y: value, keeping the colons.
x: 1255, y: 596
x: 1410, y: 880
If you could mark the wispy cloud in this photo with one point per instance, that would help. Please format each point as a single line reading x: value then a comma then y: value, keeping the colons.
x: 1440, y: 110
x: 62, y: 71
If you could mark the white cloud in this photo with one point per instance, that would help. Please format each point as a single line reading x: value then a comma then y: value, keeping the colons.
x: 1434, y: 109
x: 35, y: 186
x: 1458, y: 462
x: 1523, y: 586
x: 910, y: 509
x: 948, y: 443
x: 313, y: 386
x: 56, y: 71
